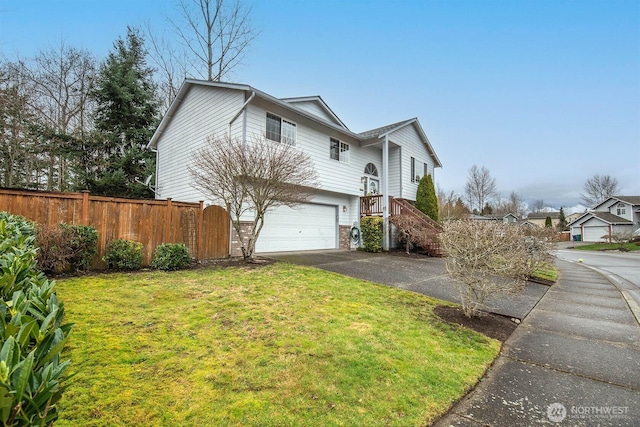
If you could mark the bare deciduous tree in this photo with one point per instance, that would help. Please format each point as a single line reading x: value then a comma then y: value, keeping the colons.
x: 513, y: 204
x: 216, y: 33
x: 537, y: 205
x: 489, y: 258
x: 599, y: 188
x: 252, y: 178
x: 480, y: 187
x: 450, y: 206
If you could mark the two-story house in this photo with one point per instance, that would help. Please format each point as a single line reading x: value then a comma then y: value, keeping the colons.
x: 388, y: 160
x: 617, y: 214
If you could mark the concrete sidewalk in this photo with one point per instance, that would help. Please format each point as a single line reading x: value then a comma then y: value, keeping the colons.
x: 574, y: 361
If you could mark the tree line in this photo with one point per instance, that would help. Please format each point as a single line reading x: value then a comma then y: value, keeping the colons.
x: 481, y: 196
x: 71, y: 122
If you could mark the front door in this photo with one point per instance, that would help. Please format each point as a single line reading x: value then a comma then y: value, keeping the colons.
x: 369, y: 186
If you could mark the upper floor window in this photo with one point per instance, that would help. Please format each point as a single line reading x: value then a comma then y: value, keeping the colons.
x: 413, y: 169
x: 280, y: 130
x: 622, y: 209
x: 339, y: 150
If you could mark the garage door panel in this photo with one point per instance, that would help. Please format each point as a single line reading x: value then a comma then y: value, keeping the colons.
x: 305, y: 227
x: 594, y: 234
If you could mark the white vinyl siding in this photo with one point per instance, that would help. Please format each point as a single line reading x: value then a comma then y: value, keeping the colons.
x: 412, y: 147
x: 203, y: 113
x: 312, y: 138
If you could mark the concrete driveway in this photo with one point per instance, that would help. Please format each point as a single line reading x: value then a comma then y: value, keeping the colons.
x: 413, y: 273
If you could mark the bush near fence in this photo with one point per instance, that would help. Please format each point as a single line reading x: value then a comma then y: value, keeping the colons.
x: 204, y: 231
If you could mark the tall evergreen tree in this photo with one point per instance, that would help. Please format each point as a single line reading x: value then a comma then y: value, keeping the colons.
x: 547, y: 222
x: 125, y: 118
x: 562, y: 220
x: 426, y: 199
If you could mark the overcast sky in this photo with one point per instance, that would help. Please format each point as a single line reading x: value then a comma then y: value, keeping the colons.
x: 544, y: 94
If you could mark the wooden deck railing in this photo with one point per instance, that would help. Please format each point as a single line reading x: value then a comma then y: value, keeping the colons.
x: 371, y: 205
x: 402, y: 206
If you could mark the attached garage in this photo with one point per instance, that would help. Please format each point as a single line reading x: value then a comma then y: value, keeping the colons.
x: 305, y: 227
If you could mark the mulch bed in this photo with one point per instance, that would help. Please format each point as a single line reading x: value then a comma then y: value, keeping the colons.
x: 489, y: 324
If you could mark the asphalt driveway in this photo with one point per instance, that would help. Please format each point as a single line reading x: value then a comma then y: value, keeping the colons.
x: 414, y: 273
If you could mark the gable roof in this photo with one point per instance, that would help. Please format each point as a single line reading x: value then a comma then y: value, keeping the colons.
x: 289, y: 104
x: 543, y: 215
x: 317, y: 99
x: 632, y: 200
x: 381, y: 132
x: 607, y: 217
x: 250, y: 91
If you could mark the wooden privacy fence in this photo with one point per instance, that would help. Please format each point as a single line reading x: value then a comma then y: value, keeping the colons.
x: 205, y: 231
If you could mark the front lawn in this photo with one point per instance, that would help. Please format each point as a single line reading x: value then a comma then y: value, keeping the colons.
x: 279, y: 345
x: 608, y: 247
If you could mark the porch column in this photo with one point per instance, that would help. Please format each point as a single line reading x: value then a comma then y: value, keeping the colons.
x: 385, y: 193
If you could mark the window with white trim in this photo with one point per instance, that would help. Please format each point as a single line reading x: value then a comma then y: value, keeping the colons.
x: 339, y: 150
x: 413, y: 169
x: 280, y: 130
x: 621, y: 209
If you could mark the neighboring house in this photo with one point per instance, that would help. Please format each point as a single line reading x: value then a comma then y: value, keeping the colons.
x: 572, y: 217
x: 506, y: 218
x: 540, y: 218
x: 388, y: 160
x: 617, y: 214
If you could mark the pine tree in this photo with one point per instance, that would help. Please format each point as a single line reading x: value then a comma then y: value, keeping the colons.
x: 426, y: 199
x: 125, y: 118
x: 547, y: 222
x: 562, y: 220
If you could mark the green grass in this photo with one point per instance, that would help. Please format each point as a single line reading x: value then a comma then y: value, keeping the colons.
x: 280, y: 345
x: 608, y: 247
x: 547, y: 272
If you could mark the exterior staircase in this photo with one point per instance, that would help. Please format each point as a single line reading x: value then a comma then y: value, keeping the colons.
x: 419, y: 228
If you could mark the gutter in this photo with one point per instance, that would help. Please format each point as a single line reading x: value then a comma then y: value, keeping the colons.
x: 253, y: 94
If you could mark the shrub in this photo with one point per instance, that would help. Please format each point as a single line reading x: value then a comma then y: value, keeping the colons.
x: 171, y: 256
x: 83, y: 239
x: 66, y: 247
x: 54, y: 252
x: 32, y: 334
x: 487, y: 258
x: 426, y: 199
x: 371, y: 227
x: 122, y: 254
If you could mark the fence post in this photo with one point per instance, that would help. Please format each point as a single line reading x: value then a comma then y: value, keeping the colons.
x: 167, y: 223
x: 85, y: 207
x: 199, y: 254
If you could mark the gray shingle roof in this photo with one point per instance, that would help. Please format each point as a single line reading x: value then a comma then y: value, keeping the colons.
x: 382, y: 130
x: 634, y: 200
x: 611, y: 218
x: 543, y: 215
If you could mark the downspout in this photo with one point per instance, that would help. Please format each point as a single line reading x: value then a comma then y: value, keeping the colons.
x: 242, y: 109
x: 385, y: 193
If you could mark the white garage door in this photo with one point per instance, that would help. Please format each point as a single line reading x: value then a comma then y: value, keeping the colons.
x: 594, y: 234
x: 305, y: 227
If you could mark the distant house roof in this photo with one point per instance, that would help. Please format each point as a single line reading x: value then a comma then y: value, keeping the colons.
x: 607, y: 217
x: 543, y: 215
